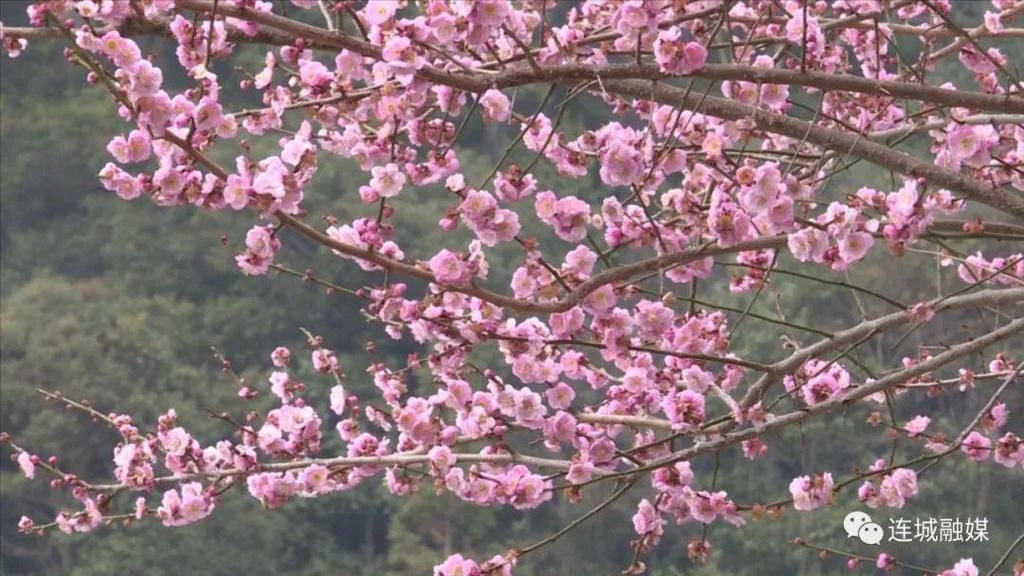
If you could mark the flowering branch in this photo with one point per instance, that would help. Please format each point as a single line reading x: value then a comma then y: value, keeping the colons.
x: 708, y: 156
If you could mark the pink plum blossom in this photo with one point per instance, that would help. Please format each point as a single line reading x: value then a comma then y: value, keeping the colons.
x: 811, y: 493
x: 28, y: 467
x: 520, y: 366
x: 977, y: 446
x: 495, y: 106
x: 917, y: 425
x: 677, y: 57
x: 449, y: 269
x: 387, y: 180
x: 338, y: 400
x: 965, y: 567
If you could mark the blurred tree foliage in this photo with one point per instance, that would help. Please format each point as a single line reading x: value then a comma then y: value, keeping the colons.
x: 120, y: 303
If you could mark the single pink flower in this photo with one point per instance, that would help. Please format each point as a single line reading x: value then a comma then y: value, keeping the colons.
x: 977, y: 447
x: 916, y: 425
x: 810, y: 493
x: 388, y: 180
x: 28, y: 467
x: 449, y: 269
x: 495, y: 106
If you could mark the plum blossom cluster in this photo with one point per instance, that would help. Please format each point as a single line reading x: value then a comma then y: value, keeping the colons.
x: 1006, y: 271
x: 892, y: 491
x: 261, y: 245
x: 678, y: 500
x: 811, y: 492
x: 906, y: 213
x: 603, y: 368
x: 480, y: 211
x: 817, y: 381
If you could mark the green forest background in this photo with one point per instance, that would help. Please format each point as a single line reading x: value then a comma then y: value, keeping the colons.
x: 121, y: 302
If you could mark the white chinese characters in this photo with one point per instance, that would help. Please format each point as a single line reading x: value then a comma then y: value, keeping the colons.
x: 938, y: 530
x: 944, y: 530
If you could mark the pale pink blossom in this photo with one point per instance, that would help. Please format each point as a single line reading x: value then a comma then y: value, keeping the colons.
x: 377, y: 12
x: 977, y: 447
x: 808, y: 244
x: 560, y: 396
x: 965, y: 567
x: 338, y: 400
x: 448, y: 268
x: 810, y: 493
x: 854, y: 246
x: 495, y: 106
x: 916, y: 425
x: 28, y: 467
x: 280, y: 356
x: 1009, y: 451
x: 456, y: 565
x: 388, y: 180
x: 647, y: 520
x: 261, y: 246
x: 325, y: 360
x: 674, y: 56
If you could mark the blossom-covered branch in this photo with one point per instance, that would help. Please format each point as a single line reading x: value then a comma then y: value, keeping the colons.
x: 659, y: 159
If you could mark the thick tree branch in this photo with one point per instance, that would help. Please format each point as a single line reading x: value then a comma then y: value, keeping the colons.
x: 978, y: 119
x: 819, y: 80
x: 284, y: 31
x: 480, y: 81
x: 855, y: 333
x: 719, y: 107
x: 846, y: 142
x: 401, y: 459
x: 613, y: 80
x: 857, y: 393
